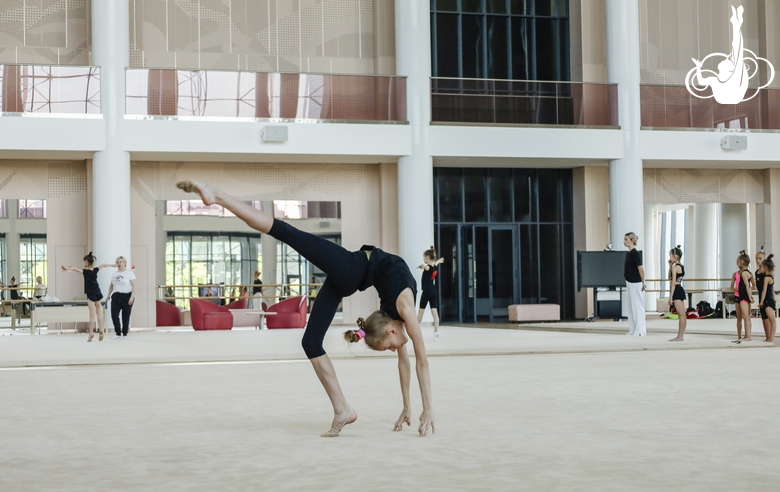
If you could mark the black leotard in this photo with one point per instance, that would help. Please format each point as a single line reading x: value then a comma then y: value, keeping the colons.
x: 742, y: 293
x: 769, y: 299
x: 91, y: 287
x: 430, y: 291
x: 679, y: 292
x: 348, y: 272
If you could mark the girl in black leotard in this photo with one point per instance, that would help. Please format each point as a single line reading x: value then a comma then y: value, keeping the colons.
x: 347, y: 273
x: 676, y: 291
x: 759, y: 276
x: 92, y: 290
x: 430, y: 290
x: 743, y: 293
x: 767, y: 302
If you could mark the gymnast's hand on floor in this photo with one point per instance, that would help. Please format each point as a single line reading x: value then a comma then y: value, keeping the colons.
x: 426, y: 422
x: 406, y: 416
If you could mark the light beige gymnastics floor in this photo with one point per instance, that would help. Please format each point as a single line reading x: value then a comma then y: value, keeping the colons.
x: 701, y: 419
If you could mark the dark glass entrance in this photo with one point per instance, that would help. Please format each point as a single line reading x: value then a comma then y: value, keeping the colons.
x: 492, y: 225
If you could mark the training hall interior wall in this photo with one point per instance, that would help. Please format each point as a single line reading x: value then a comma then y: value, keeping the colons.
x: 64, y: 185
x: 671, y: 33
x: 45, y: 32
x: 317, y: 36
x: 368, y: 194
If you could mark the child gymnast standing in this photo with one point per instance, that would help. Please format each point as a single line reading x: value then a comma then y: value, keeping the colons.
x: 430, y: 290
x: 676, y: 291
x: 742, y: 284
x: 92, y: 290
x: 767, y: 300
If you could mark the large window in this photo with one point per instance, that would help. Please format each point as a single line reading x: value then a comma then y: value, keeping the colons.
x: 32, y: 259
x: 193, y: 260
x: 292, y: 268
x: 500, y: 39
x: 294, y: 209
x: 197, y: 207
x: 507, y: 237
x: 32, y: 209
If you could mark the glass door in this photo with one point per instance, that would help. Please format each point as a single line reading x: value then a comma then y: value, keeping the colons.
x: 504, y: 273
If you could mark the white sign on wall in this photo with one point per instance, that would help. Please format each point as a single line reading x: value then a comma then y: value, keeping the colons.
x: 730, y: 84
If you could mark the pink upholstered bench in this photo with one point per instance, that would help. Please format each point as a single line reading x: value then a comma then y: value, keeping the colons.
x: 534, y: 312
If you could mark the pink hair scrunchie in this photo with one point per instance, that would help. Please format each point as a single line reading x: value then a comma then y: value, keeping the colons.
x: 361, y: 334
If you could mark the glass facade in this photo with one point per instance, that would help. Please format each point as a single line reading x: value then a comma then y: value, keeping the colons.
x: 33, y: 260
x: 500, y: 39
x: 192, y: 259
x: 507, y: 237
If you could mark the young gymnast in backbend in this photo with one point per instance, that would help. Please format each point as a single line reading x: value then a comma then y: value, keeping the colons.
x: 742, y: 284
x: 430, y: 291
x: 767, y: 299
x: 759, y: 276
x: 676, y: 291
x: 92, y: 290
x: 347, y: 273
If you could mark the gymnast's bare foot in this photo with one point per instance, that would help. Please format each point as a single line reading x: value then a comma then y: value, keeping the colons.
x: 339, y: 421
x: 676, y: 339
x: 207, y: 193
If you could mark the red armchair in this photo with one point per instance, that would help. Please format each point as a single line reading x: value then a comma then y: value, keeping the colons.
x: 168, y: 314
x: 208, y: 316
x: 291, y: 313
x: 242, y: 303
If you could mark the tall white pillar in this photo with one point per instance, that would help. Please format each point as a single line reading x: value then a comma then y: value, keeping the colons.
x: 733, y: 237
x: 626, y: 202
x: 649, y: 246
x: 111, y: 167
x: 415, y: 171
x: 703, y: 257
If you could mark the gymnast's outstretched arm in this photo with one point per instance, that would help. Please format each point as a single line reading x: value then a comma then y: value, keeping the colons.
x: 406, y: 308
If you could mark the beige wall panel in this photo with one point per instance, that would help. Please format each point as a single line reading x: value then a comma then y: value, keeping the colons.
x: 703, y: 186
x: 44, y: 31
x: 337, y: 36
x: 591, y: 225
x: 594, y: 51
x: 672, y: 32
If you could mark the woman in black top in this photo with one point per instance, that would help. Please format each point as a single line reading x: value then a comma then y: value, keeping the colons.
x: 347, y: 272
x: 767, y: 302
x: 257, y: 291
x: 634, y: 274
x: 430, y: 290
x: 92, y: 290
x: 676, y: 291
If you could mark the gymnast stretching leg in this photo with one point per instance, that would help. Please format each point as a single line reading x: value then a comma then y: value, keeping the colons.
x: 341, y: 266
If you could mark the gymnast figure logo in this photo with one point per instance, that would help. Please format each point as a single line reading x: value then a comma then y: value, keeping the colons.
x: 730, y: 84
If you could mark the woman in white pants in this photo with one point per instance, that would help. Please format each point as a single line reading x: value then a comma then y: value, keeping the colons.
x: 634, y: 274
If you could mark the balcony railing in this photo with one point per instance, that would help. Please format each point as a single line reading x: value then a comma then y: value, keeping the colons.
x: 671, y: 106
x: 49, y: 90
x: 523, y: 102
x: 224, y: 94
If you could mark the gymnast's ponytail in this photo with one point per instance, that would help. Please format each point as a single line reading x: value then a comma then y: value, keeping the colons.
x: 430, y: 253
x: 90, y: 259
x: 769, y: 265
x: 744, y: 259
x: 372, y: 330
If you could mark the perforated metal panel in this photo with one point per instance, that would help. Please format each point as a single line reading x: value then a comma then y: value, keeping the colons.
x: 66, y: 185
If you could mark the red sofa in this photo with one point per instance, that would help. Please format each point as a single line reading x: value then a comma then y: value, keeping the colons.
x: 291, y: 313
x: 208, y: 316
x: 168, y: 314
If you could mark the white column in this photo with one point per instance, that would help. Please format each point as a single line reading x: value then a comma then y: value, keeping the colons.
x: 626, y: 202
x: 111, y: 167
x: 703, y: 257
x: 415, y: 172
x: 649, y: 246
x: 733, y: 237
